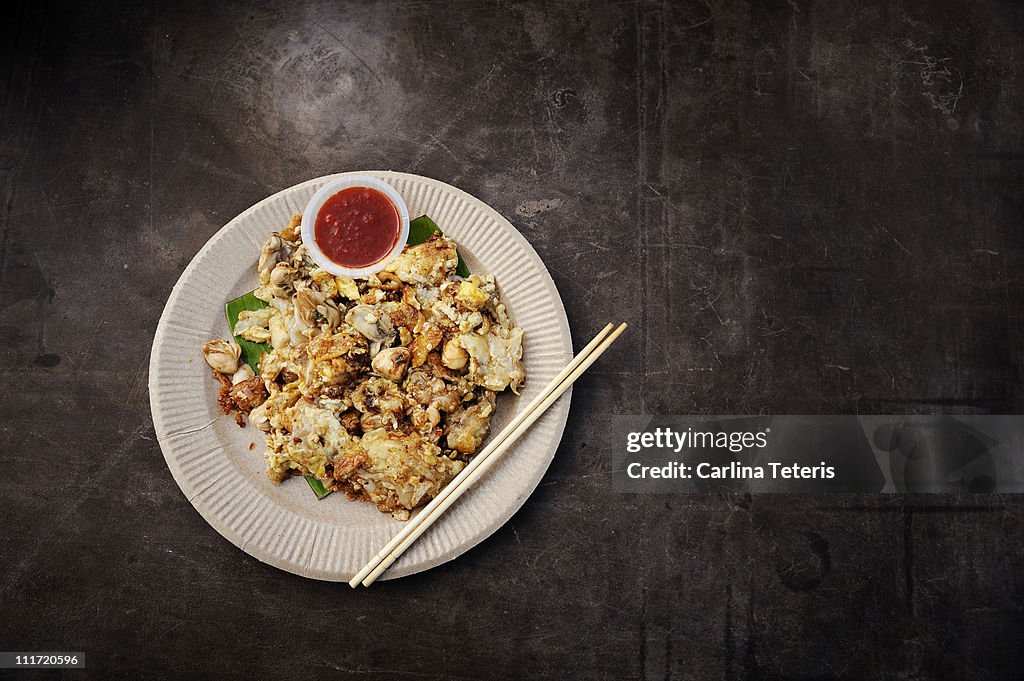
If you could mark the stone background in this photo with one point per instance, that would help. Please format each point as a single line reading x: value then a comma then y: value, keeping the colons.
x: 800, y: 207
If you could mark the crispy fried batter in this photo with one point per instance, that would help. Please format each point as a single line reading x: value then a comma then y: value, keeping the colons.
x: 380, y: 387
x: 248, y: 394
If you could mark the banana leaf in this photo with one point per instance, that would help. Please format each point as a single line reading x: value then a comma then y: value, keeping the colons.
x: 421, y: 229
x: 251, y: 352
x: 318, y: 487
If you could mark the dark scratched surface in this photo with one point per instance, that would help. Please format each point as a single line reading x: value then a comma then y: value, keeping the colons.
x: 800, y: 207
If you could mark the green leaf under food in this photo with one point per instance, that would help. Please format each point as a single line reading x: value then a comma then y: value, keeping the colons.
x: 251, y: 352
x: 421, y: 229
x: 318, y: 487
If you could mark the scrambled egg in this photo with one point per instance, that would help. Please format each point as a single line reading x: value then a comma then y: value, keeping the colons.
x: 381, y: 387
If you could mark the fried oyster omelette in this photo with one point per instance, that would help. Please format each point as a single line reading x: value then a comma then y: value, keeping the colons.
x: 383, y: 387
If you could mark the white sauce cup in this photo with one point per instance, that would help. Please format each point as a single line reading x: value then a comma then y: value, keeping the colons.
x: 325, y: 192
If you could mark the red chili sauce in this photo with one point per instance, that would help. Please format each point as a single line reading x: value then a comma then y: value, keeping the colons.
x: 357, y: 227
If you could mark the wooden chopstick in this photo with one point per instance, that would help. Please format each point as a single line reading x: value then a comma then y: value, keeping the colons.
x: 485, y: 459
x: 551, y: 393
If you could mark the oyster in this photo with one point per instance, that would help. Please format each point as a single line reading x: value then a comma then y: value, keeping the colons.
x: 270, y: 255
x: 222, y: 355
x: 244, y: 373
x: 392, y: 362
x: 454, y: 355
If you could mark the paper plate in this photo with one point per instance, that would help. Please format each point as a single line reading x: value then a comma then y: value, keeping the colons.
x: 284, y: 525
